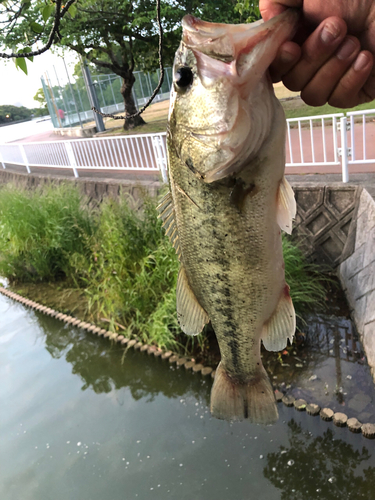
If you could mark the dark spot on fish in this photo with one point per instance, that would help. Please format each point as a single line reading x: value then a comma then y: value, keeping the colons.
x: 240, y: 192
x: 190, y: 166
x: 233, y: 345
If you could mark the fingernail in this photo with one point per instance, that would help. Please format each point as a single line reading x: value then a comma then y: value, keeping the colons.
x: 346, y: 49
x: 330, y: 33
x: 361, y: 62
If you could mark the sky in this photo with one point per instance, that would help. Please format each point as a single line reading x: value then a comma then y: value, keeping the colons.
x: 19, y: 89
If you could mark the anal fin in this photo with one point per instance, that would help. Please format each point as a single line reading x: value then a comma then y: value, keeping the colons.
x: 235, y: 400
x: 190, y: 314
x: 286, y: 206
x: 282, y: 324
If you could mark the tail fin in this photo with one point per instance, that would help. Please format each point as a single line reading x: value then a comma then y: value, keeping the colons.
x: 233, y: 400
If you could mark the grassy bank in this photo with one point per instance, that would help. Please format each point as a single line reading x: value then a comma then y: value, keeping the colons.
x: 117, y: 263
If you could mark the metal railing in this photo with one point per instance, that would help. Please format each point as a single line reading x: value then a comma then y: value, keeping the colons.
x: 310, y: 141
x: 313, y: 140
x: 143, y: 152
x: 361, y: 125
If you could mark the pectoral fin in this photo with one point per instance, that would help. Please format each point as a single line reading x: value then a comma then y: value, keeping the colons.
x: 282, y: 324
x: 190, y: 314
x: 167, y: 215
x: 286, y: 206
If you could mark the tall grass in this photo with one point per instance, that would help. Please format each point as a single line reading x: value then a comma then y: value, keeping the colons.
x: 119, y: 257
x: 40, y: 230
x: 304, y: 279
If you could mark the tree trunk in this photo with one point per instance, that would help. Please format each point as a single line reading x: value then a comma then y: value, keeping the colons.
x: 130, y: 108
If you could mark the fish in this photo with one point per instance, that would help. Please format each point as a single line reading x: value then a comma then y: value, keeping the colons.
x: 228, y: 202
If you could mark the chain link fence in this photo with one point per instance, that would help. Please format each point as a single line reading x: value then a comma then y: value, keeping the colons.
x: 68, y: 101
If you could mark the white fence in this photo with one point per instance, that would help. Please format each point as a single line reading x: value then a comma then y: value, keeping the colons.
x: 311, y: 141
x: 143, y: 152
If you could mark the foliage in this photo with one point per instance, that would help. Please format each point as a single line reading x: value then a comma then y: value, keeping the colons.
x: 249, y: 10
x: 9, y: 114
x: 118, y: 256
x: 40, y: 97
x: 304, y: 279
x: 39, y: 231
x: 117, y: 35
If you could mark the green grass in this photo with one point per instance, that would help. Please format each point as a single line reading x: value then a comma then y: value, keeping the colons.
x: 120, y: 259
x: 153, y: 127
x: 40, y: 230
x: 304, y: 279
x: 296, y: 108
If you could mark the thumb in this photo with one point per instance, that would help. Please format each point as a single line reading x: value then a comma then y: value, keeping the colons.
x: 271, y: 8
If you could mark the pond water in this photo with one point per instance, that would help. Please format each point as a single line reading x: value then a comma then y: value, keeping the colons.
x: 81, y: 420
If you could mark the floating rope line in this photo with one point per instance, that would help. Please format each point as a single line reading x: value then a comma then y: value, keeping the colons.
x: 339, y: 419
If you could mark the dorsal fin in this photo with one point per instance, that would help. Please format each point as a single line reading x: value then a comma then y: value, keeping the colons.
x: 167, y: 215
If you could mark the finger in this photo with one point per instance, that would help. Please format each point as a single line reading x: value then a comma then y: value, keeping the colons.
x: 349, y: 92
x: 288, y: 55
x: 322, y: 85
x: 317, y: 49
x: 272, y: 8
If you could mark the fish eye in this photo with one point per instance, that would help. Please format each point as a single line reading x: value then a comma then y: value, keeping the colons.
x: 184, y: 77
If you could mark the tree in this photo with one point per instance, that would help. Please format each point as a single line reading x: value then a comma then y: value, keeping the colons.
x: 9, y: 114
x: 117, y: 35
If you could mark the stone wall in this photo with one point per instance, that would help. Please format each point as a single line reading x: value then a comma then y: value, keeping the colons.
x: 325, y: 223
x: 357, y: 276
x: 94, y: 189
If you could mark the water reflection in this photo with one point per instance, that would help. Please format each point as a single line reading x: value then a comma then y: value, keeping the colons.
x: 332, y: 466
x: 105, y: 366
x: 139, y: 430
x: 327, y: 366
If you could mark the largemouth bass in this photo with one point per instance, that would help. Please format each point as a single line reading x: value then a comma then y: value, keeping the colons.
x: 228, y: 202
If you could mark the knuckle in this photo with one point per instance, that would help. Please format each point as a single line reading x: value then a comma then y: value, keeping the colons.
x: 312, y: 99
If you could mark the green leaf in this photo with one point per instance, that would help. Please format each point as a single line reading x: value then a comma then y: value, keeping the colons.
x: 36, y: 27
x: 21, y: 63
x: 72, y: 11
x: 47, y: 12
x: 26, y: 50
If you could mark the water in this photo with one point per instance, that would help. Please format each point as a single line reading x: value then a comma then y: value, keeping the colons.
x: 327, y: 366
x: 79, y: 420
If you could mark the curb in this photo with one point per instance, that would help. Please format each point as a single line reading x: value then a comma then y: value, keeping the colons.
x: 326, y: 414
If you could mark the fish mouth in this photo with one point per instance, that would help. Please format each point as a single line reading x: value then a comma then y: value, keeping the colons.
x: 236, y: 50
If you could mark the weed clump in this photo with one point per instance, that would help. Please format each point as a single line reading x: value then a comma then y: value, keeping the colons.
x: 119, y: 257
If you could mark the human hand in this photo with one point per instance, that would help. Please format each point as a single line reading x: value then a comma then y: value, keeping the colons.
x: 335, y: 62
